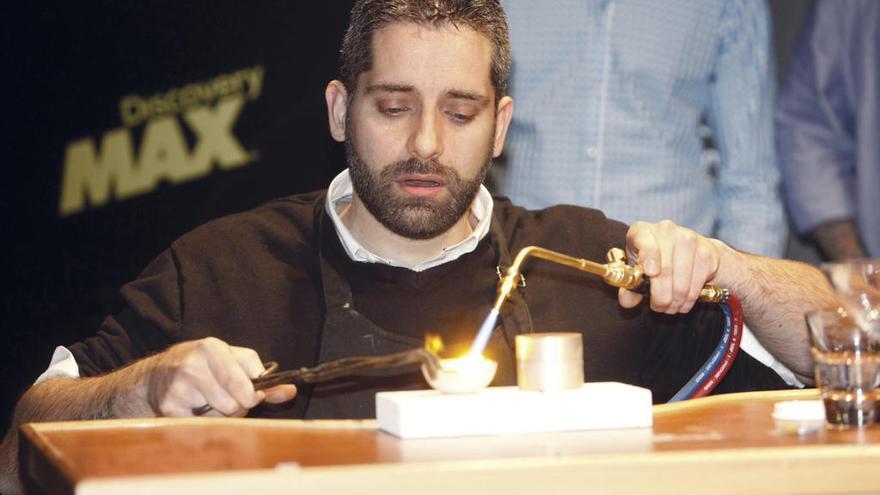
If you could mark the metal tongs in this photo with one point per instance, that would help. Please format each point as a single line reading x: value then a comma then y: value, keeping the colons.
x: 344, y: 367
x: 341, y: 367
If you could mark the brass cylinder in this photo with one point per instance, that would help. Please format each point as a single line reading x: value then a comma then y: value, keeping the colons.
x: 549, y: 361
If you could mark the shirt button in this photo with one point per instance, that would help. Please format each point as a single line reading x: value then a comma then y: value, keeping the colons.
x: 592, y: 152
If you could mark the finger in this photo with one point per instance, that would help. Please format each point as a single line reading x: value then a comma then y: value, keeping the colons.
x: 661, y: 283
x: 642, y: 247
x: 280, y: 393
x: 180, y: 399
x: 210, y: 411
x: 249, y: 361
x: 705, y: 266
x: 628, y: 298
x: 218, y: 398
x: 692, y: 297
x: 214, y: 413
x: 230, y: 386
x: 238, y: 414
x: 682, y: 270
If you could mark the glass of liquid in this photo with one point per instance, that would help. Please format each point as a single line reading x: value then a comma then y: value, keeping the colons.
x: 847, y: 369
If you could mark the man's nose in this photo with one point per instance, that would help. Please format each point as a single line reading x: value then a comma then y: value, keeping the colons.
x: 426, y: 140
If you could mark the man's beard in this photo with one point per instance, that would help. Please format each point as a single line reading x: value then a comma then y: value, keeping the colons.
x: 413, y: 218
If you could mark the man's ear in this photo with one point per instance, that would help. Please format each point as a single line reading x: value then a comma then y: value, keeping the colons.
x: 337, y: 106
x: 503, y: 114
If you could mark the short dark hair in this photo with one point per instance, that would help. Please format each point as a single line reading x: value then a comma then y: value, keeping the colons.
x: 369, y: 16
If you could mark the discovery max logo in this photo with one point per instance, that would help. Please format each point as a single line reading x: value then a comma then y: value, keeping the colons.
x: 118, y: 169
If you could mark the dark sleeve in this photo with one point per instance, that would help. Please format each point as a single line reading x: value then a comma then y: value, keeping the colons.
x: 678, y: 345
x: 149, y: 323
x: 815, y: 138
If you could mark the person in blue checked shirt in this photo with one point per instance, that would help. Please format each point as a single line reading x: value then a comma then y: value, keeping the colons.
x: 610, y: 99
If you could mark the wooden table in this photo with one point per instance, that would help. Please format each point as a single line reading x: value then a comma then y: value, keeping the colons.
x: 722, y: 444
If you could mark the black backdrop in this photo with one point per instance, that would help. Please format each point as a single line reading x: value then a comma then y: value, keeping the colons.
x: 70, y: 65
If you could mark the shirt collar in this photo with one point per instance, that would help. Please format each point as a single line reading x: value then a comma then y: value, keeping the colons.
x: 340, y: 193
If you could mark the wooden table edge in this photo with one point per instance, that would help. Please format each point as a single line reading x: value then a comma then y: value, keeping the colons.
x: 767, y: 470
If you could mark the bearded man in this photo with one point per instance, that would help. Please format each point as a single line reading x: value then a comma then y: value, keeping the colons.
x: 405, y: 242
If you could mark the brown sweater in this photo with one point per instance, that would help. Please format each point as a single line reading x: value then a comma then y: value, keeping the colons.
x: 253, y: 279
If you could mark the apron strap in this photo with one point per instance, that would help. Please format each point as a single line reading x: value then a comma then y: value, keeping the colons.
x: 515, y: 316
x: 336, y: 289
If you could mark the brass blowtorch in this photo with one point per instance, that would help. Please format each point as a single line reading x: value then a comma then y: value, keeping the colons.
x: 615, y: 272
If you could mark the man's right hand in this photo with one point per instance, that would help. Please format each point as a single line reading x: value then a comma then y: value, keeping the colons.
x: 207, y: 371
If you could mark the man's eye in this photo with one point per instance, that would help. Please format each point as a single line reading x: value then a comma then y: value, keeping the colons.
x: 394, y: 111
x: 460, y: 117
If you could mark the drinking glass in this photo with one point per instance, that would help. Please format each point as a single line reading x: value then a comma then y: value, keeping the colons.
x: 847, y: 369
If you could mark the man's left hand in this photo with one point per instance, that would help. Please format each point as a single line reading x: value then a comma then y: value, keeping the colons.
x: 676, y: 260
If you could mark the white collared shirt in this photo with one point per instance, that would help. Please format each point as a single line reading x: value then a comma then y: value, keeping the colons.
x: 339, y: 194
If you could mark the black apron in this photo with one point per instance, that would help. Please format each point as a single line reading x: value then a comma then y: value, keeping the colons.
x: 346, y: 332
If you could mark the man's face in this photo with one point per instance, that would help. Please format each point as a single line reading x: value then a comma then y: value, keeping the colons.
x: 421, y: 129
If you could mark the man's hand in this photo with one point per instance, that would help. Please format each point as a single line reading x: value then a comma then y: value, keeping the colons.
x: 677, y: 260
x: 775, y: 294
x: 207, y: 371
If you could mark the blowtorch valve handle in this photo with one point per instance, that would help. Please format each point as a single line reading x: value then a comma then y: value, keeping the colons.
x: 619, y: 274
